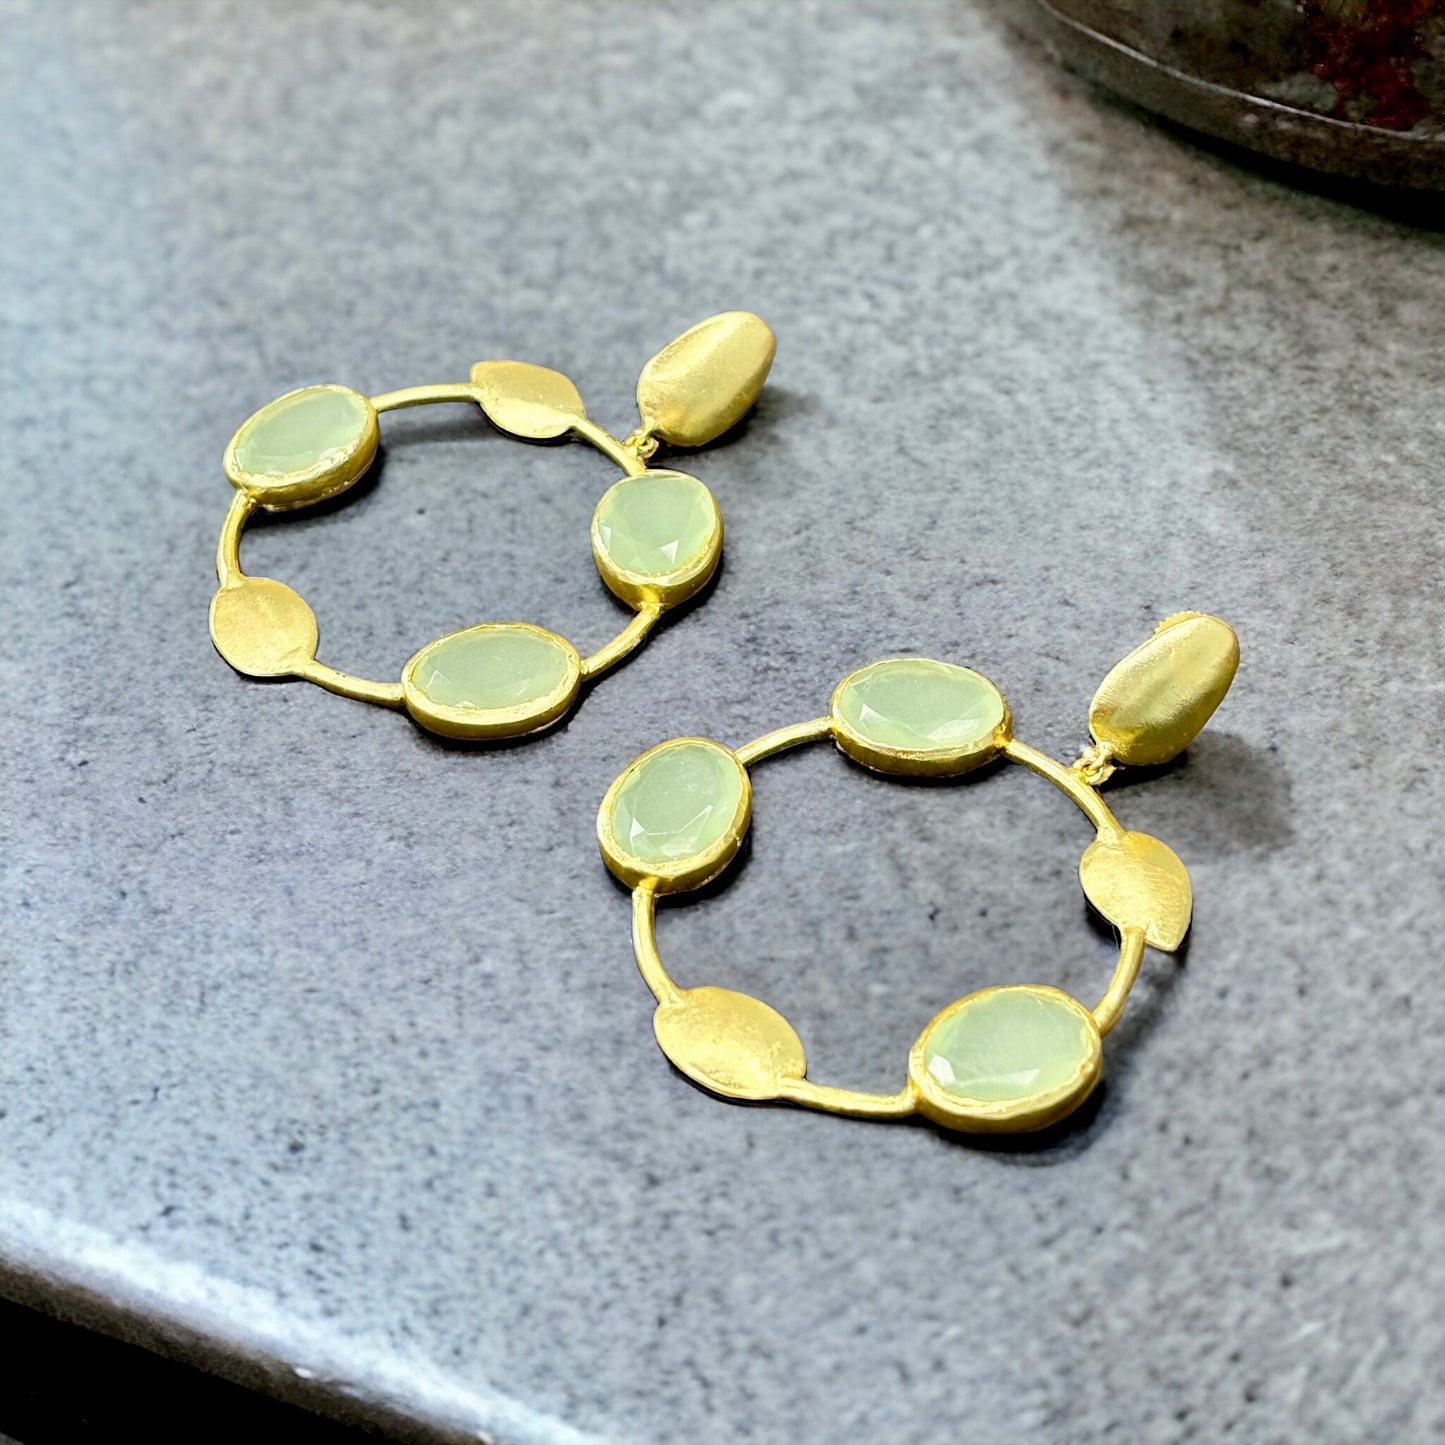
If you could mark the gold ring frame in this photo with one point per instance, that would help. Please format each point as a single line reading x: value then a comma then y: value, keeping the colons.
x: 1001, y: 1060
x: 656, y: 534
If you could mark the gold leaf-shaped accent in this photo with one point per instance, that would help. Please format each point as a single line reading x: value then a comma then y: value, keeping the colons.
x: 263, y: 628
x: 1136, y: 881
x: 527, y: 401
x: 1152, y: 704
x: 729, y: 1042
x: 698, y: 386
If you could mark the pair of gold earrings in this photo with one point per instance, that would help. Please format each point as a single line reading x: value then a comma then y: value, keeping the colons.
x: 1004, y: 1059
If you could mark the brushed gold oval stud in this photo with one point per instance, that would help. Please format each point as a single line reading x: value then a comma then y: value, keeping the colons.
x: 706, y: 381
x: 1153, y: 703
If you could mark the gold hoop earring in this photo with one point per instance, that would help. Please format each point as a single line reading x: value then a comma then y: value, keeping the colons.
x: 656, y: 534
x: 1000, y: 1060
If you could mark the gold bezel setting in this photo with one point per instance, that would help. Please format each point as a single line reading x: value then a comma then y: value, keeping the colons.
x: 1004, y: 1116
x: 336, y: 470
x: 686, y: 873
x: 478, y: 724
x: 940, y: 762
x: 664, y: 589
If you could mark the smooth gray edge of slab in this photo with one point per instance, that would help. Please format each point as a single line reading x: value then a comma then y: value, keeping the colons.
x: 130, y: 1295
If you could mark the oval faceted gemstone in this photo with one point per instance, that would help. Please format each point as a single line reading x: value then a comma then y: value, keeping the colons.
x: 498, y: 665
x: 500, y: 679
x: 658, y: 534
x: 914, y: 715
x: 305, y: 446
x: 657, y: 524
x: 297, y: 432
x: 1005, y: 1059
x: 677, y: 814
x: 1008, y: 1043
x: 679, y: 804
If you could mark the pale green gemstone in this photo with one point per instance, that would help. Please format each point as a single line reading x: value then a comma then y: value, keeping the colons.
x: 678, y: 803
x: 917, y: 705
x: 308, y: 428
x: 1008, y: 1043
x: 658, y: 525
x: 493, y: 666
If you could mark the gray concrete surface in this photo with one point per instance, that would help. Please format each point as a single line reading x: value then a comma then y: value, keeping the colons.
x: 325, y: 1063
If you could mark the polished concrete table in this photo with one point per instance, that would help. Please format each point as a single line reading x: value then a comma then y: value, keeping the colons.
x: 325, y: 1063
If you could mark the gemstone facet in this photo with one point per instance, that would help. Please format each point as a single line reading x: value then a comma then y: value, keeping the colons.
x: 497, y: 680
x: 677, y: 814
x: 1017, y: 1057
x: 914, y: 715
x: 304, y: 446
x: 657, y: 537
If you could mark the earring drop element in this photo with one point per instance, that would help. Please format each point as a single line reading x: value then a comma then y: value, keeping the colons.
x: 1002, y: 1060
x: 656, y: 534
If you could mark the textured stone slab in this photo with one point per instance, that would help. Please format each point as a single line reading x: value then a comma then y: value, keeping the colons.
x: 323, y: 1059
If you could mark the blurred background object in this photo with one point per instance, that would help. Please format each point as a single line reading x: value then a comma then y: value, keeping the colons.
x: 1351, y: 87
